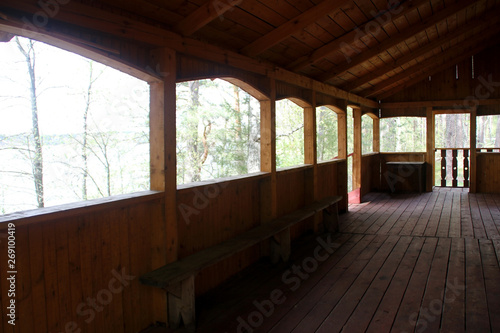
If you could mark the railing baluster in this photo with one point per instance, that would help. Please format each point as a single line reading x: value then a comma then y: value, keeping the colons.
x: 454, y: 171
x: 466, y: 167
x: 443, y: 168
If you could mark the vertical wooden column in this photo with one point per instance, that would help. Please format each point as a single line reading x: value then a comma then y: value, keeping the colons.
x: 342, y: 174
x: 473, y: 152
x: 356, y: 160
x: 268, y: 190
x: 376, y: 134
x: 164, y: 242
x: 342, y: 134
x: 376, y: 170
x: 430, y: 154
x: 311, y: 157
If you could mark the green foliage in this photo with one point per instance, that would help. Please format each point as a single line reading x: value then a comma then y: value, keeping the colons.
x: 366, y: 134
x: 289, y: 134
x: 326, y: 134
x: 218, y: 130
x: 403, y: 134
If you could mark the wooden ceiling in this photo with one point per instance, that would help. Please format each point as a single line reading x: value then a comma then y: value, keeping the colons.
x: 367, y: 47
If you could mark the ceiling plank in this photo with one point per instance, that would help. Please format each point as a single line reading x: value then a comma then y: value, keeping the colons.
x: 480, y: 23
x: 352, y: 35
x: 395, y: 40
x: 292, y: 27
x: 460, y: 56
x: 205, y: 14
x: 441, y: 61
x: 445, y: 103
x: 83, y: 16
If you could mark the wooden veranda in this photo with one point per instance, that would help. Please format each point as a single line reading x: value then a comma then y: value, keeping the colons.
x: 404, y: 263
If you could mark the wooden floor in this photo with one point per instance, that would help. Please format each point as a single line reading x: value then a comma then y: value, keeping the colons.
x: 401, y: 263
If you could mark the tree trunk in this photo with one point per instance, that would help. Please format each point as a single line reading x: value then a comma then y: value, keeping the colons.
x: 194, y: 156
x: 497, y: 137
x: 88, y: 99
x: 37, y: 157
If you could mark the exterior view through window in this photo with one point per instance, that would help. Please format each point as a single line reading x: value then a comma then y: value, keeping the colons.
x: 218, y: 131
x: 289, y: 134
x: 403, y: 134
x: 327, y: 134
x: 71, y: 129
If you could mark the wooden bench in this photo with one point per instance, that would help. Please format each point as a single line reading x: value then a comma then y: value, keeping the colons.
x: 177, y: 278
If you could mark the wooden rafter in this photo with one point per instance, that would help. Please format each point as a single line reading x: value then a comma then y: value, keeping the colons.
x: 395, y: 40
x: 114, y: 25
x: 350, y: 36
x: 202, y: 16
x: 444, y: 103
x: 480, y: 24
x: 483, y: 44
x: 292, y: 27
x: 443, y: 60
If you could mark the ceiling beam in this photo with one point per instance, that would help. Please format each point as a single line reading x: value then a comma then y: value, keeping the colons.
x: 205, y: 14
x: 396, y: 39
x: 480, y: 24
x: 443, y: 103
x: 354, y: 35
x: 292, y: 27
x: 5, y: 37
x: 433, y: 70
x: 442, y: 60
x: 93, y: 19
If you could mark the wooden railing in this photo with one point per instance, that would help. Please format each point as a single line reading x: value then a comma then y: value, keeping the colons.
x: 454, y: 161
x: 488, y: 150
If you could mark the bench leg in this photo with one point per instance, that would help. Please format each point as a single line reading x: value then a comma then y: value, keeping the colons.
x: 281, y: 246
x: 331, y: 218
x: 181, y: 304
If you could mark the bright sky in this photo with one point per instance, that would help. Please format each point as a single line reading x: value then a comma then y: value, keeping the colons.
x: 62, y: 78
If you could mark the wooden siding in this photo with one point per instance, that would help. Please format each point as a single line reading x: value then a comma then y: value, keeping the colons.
x: 65, y: 261
x: 488, y: 172
x: 211, y: 212
x: 370, y: 173
x: 332, y: 180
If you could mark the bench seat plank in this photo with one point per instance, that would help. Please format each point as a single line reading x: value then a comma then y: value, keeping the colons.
x: 182, y: 269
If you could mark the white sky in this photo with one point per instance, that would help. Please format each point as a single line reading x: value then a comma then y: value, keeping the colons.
x: 62, y: 79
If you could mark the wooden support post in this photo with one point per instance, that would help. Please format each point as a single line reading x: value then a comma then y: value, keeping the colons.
x: 342, y: 153
x: 356, y: 158
x: 473, y: 152
x: 269, y: 209
x: 376, y: 134
x: 430, y: 155
x: 164, y: 243
x: 311, y: 157
x: 342, y: 134
x: 181, y: 305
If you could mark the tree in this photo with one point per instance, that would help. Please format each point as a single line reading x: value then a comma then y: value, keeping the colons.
x: 36, y: 155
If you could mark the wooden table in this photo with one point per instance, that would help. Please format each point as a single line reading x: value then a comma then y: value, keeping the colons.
x: 406, y: 176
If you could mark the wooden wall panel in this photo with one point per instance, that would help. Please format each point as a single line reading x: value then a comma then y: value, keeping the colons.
x: 291, y: 195
x: 332, y: 180
x: 211, y: 213
x: 446, y: 86
x: 370, y: 173
x: 67, y: 262
x: 488, y: 172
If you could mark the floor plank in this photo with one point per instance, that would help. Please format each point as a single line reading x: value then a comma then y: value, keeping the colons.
x: 400, y: 263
